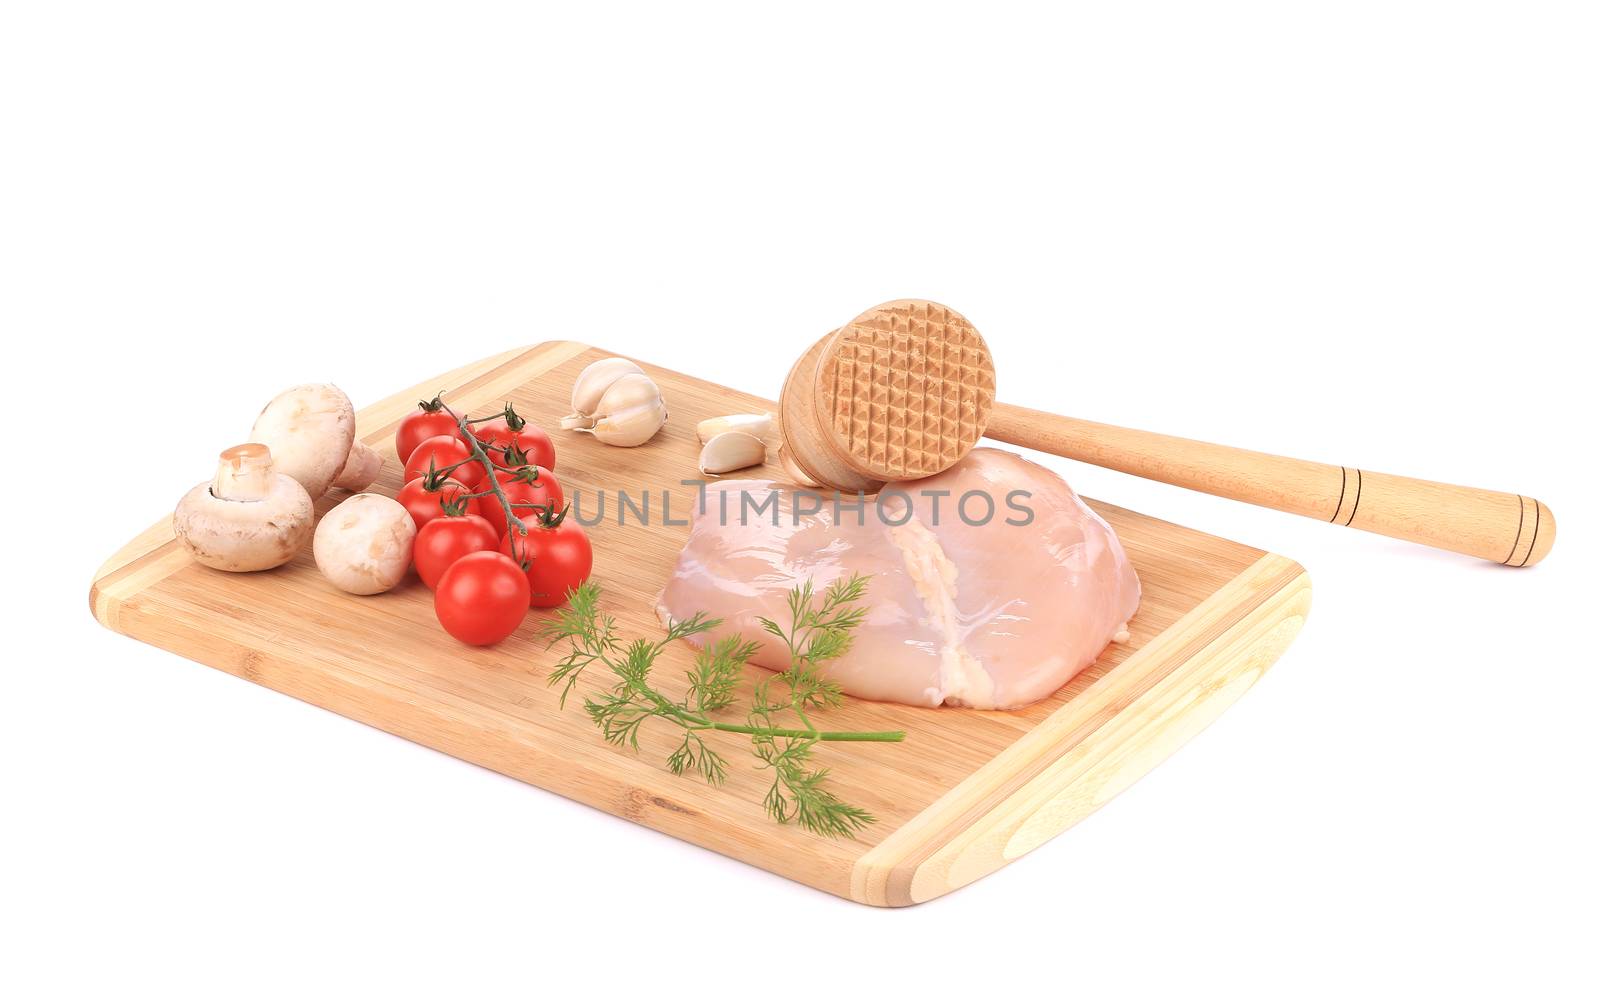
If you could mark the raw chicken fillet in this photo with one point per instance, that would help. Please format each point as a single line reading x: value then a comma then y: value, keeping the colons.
x: 963, y: 611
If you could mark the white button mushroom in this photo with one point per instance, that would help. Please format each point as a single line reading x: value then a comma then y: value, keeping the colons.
x: 310, y: 429
x: 360, y: 469
x: 364, y: 545
x: 249, y: 517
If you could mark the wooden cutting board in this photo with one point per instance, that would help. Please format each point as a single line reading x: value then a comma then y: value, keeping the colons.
x: 966, y: 793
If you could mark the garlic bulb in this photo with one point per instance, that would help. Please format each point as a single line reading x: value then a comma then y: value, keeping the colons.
x: 758, y: 425
x: 617, y: 402
x: 731, y: 451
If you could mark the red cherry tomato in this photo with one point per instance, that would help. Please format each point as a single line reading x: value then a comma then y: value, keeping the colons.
x: 442, y: 452
x: 446, y: 539
x: 501, y: 433
x: 558, y: 558
x: 427, y: 505
x: 482, y: 598
x: 430, y: 419
x: 527, y: 491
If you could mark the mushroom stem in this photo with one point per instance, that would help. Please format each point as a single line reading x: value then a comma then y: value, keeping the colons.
x: 248, y: 517
x: 244, y: 472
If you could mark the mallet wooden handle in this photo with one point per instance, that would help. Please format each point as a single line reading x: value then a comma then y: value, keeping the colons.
x: 1500, y: 527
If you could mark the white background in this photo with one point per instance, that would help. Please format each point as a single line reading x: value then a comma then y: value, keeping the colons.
x: 1364, y: 233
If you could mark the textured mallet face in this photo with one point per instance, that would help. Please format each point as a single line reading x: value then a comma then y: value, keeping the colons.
x: 906, y: 389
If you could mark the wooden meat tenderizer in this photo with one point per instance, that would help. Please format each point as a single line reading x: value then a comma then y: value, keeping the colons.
x: 905, y: 390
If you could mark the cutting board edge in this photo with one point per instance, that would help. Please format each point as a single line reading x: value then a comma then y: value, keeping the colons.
x: 1074, y: 763
x: 1089, y: 751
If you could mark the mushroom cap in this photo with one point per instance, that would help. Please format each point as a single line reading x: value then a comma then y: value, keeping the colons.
x: 310, y: 429
x: 360, y: 469
x: 364, y: 545
x: 243, y: 535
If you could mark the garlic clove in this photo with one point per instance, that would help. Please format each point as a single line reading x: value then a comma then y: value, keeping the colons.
x: 591, y: 386
x: 731, y: 451
x: 631, y: 411
x: 627, y: 391
x: 760, y: 425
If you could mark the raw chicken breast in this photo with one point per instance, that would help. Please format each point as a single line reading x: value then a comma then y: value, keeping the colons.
x: 963, y: 611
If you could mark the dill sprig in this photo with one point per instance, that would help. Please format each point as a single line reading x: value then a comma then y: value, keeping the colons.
x: 819, y: 630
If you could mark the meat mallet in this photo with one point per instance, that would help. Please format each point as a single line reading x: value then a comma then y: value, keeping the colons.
x: 906, y: 389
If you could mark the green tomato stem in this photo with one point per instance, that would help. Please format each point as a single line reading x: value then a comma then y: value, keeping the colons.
x: 479, y: 454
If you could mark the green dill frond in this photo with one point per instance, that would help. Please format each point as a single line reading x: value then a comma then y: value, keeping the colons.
x: 761, y: 705
x: 618, y: 718
x: 695, y: 625
x: 820, y: 630
x: 774, y: 629
x: 818, y: 811
x: 576, y: 619
x: 800, y: 603
x: 692, y: 752
x: 718, y: 671
x: 634, y: 668
x: 819, y: 634
x: 798, y: 793
x: 846, y: 592
x: 776, y: 805
x: 591, y: 636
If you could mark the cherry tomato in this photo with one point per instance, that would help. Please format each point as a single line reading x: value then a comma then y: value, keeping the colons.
x: 446, y: 539
x: 501, y: 433
x: 427, y: 505
x: 430, y: 419
x: 441, y: 452
x: 527, y: 491
x: 482, y: 598
x: 558, y: 558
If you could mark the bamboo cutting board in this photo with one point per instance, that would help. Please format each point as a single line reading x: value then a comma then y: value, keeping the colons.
x: 966, y: 793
